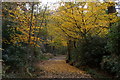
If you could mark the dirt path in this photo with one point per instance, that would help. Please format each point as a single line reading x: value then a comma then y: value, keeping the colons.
x: 58, y: 68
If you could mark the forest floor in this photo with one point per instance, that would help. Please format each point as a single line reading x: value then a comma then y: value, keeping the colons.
x: 57, y: 67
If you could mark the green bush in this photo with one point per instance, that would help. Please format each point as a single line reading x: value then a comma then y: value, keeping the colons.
x: 113, y: 44
x: 111, y: 64
x: 16, y: 60
x: 90, y: 52
x: 14, y: 56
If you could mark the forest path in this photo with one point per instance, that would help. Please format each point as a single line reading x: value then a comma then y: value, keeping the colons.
x: 58, y: 68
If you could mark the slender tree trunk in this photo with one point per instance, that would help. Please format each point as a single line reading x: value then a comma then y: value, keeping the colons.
x: 111, y: 9
x: 75, y: 44
x: 29, y: 53
x: 70, y: 46
x: 29, y: 39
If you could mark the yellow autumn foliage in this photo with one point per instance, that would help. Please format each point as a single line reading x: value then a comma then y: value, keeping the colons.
x: 77, y: 20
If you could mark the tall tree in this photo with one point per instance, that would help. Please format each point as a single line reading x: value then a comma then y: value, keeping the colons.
x: 83, y: 20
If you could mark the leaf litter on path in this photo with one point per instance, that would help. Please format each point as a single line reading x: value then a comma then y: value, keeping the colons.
x: 58, y: 68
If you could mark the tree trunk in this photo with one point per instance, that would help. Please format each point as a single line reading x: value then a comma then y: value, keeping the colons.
x: 70, y: 46
x: 111, y: 9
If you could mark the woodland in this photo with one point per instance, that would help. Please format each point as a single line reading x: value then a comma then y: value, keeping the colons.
x: 76, y: 37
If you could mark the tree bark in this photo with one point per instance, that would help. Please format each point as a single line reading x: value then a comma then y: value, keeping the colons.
x: 70, y: 46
